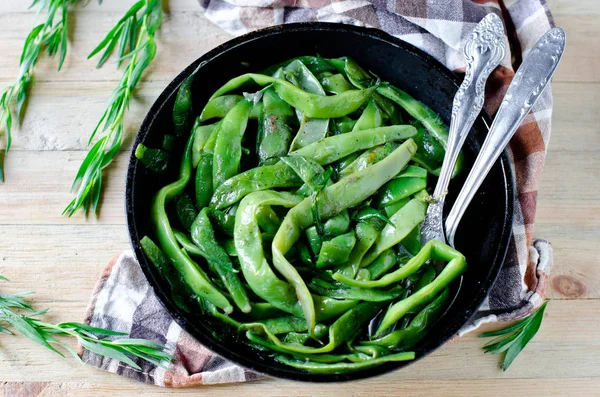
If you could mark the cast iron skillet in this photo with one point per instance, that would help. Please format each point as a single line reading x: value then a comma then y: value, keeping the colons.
x: 483, y: 235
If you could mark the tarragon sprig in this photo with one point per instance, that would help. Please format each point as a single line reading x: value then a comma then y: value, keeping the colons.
x: 513, y: 339
x: 91, y: 338
x: 133, y: 37
x: 51, y: 36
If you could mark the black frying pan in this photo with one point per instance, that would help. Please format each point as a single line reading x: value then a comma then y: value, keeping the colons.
x: 483, y: 235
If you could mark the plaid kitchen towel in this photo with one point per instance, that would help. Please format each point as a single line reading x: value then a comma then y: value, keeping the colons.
x: 124, y: 301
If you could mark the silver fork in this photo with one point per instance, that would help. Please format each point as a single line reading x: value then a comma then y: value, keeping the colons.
x: 483, y: 53
x: 529, y: 82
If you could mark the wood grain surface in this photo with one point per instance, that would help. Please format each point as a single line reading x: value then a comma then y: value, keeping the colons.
x: 60, y: 258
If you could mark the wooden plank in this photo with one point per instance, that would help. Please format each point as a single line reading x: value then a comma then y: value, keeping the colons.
x: 61, y: 263
x: 37, y: 187
x: 560, y: 8
x: 557, y: 352
x: 184, y: 36
x: 270, y: 388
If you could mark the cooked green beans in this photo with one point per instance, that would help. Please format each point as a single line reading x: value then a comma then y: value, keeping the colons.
x: 300, y: 205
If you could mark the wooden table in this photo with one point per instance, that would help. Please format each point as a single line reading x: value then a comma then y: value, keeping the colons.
x: 61, y: 258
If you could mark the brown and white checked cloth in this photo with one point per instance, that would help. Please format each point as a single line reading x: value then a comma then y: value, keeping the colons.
x: 123, y: 300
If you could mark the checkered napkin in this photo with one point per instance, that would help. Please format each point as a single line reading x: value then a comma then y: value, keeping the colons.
x: 123, y: 300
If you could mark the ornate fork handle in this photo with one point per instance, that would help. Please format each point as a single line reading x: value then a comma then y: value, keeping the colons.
x: 527, y: 85
x: 483, y: 52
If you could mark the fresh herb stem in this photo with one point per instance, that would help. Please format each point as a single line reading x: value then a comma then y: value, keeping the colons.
x: 513, y: 339
x: 43, y: 333
x: 51, y: 36
x: 140, y: 52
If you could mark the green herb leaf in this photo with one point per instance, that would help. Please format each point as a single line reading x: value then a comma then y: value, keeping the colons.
x: 133, y: 39
x: 515, y: 337
x: 29, y: 325
x: 50, y: 37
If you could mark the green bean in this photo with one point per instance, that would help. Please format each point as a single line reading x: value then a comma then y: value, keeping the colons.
x: 426, y: 278
x: 296, y: 337
x: 370, y: 118
x: 257, y: 272
x: 334, y: 226
x: 411, y: 267
x: 255, y: 179
x: 336, y: 84
x: 203, y: 236
x: 311, y: 172
x: 382, y: 264
x: 412, y: 242
x: 336, y: 251
x: 187, y: 244
x: 180, y: 291
x: 366, y: 232
x: 275, y: 129
x: 343, y: 125
x: 337, y: 225
x: 314, y: 239
x: 405, y: 220
x: 186, y: 210
x: 315, y: 64
x: 296, y: 72
x: 389, y: 108
x: 391, y: 209
x: 182, y: 109
x: 229, y: 247
x: 281, y: 325
x: 452, y: 270
x: 228, y: 147
x: 156, y: 160
x: 357, y: 76
x: 201, y: 135
x: 248, y: 243
x: 327, y: 308
x: 218, y: 107
x: 311, y: 130
x: 336, y: 147
x: 189, y: 270
x: 362, y: 275
x: 224, y: 222
x: 267, y: 219
x: 367, y: 158
x: 240, y: 81
x: 305, y: 255
x: 320, y: 106
x: 363, y: 294
x: 340, y: 368
x: 423, y: 114
x: 263, y: 311
x: 311, y: 105
x: 168, y: 143
x: 204, y: 180
x: 401, y: 187
x: 418, y: 327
